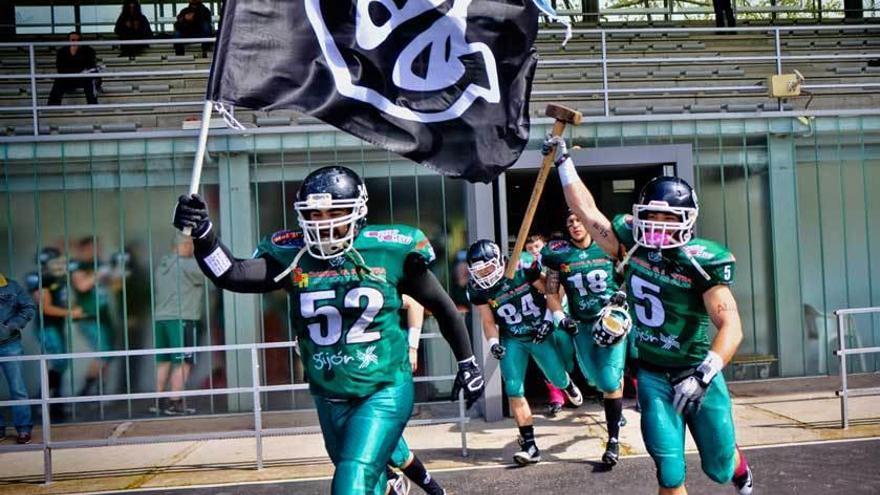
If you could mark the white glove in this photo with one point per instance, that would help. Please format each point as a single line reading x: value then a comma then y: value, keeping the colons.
x: 690, y: 389
x: 561, y: 148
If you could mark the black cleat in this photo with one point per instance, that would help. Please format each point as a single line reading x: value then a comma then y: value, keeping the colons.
x: 612, y: 453
x: 573, y: 393
x: 553, y: 409
x: 743, y: 484
x: 528, y: 455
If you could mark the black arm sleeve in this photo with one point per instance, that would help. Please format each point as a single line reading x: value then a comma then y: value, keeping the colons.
x: 419, y: 283
x: 255, y: 275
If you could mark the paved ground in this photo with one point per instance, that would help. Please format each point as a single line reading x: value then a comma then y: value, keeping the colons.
x: 847, y: 467
x: 766, y: 413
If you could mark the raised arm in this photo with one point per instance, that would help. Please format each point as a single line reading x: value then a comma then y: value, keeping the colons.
x: 580, y: 200
x: 216, y: 261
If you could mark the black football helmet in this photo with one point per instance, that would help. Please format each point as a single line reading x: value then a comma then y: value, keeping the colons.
x: 52, y: 262
x: 485, y: 263
x: 669, y: 195
x: 331, y: 188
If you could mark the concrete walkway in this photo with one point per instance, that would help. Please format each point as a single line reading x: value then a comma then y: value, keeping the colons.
x: 768, y: 412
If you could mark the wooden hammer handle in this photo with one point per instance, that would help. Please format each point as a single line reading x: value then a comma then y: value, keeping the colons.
x: 546, y: 165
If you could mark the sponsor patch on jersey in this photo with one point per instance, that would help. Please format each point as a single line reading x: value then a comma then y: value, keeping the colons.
x: 698, y: 251
x: 390, y: 235
x: 288, y: 239
x: 558, y: 246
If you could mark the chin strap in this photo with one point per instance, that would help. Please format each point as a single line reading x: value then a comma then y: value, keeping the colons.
x: 622, y: 265
x: 696, y: 264
x: 292, y: 265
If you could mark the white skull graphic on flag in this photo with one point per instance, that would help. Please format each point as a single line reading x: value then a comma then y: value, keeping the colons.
x: 429, y: 61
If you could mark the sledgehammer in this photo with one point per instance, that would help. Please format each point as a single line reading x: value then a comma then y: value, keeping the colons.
x: 563, y: 116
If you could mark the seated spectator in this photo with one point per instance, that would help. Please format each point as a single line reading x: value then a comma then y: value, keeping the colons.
x: 132, y: 24
x: 73, y: 59
x: 16, y: 310
x: 194, y: 21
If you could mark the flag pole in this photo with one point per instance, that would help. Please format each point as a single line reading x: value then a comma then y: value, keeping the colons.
x: 199, y: 159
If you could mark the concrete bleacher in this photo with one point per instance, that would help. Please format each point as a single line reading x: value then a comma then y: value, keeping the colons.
x: 575, y: 68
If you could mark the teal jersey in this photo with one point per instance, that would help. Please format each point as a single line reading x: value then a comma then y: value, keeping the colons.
x: 665, y: 296
x: 346, y: 311
x: 586, y: 274
x: 95, y: 302
x: 517, y: 305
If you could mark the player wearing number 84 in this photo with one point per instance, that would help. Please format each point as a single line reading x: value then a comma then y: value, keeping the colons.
x: 677, y: 284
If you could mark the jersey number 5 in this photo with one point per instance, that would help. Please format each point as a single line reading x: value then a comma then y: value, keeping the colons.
x: 649, y: 308
x: 357, y: 334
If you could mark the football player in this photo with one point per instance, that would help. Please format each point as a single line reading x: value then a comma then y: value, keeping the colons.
x: 345, y: 279
x: 517, y: 310
x: 586, y: 275
x: 676, y: 284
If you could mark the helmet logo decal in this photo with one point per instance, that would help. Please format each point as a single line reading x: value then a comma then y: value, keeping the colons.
x: 437, y: 64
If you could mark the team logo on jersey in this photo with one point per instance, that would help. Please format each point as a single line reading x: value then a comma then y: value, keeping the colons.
x: 288, y: 239
x: 698, y: 251
x: 558, y: 246
x: 655, y: 256
x: 390, y: 235
x: 300, y: 279
x: 564, y: 268
x: 493, y: 303
x: 367, y: 357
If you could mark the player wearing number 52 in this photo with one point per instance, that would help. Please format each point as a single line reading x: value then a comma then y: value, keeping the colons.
x: 517, y: 310
x: 345, y: 280
x: 676, y: 284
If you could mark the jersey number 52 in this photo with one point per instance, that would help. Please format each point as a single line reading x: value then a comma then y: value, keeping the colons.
x: 357, y: 334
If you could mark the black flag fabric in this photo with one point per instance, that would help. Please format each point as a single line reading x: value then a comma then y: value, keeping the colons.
x: 444, y: 83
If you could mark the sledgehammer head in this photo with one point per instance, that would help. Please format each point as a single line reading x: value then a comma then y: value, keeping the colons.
x: 564, y: 114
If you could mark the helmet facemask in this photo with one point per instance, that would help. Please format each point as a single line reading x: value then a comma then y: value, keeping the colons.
x: 656, y: 234
x: 331, y: 237
x: 485, y: 274
x: 613, y: 324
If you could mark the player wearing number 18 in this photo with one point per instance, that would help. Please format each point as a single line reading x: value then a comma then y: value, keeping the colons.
x: 345, y: 280
x: 516, y: 308
x: 676, y: 285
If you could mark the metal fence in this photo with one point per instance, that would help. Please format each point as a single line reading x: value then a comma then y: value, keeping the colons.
x: 610, y: 57
x: 844, y: 331
x: 255, y: 389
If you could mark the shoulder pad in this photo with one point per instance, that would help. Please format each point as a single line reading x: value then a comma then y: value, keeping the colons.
x: 708, y: 252
x: 624, y: 220
x: 287, y: 239
x: 559, y: 246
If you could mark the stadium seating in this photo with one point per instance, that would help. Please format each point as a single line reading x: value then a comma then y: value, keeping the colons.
x: 576, y: 70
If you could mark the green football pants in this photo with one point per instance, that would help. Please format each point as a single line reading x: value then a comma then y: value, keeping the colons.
x: 603, y: 366
x: 361, y: 434
x: 663, y: 429
x: 565, y: 348
x: 401, y: 454
x: 516, y: 360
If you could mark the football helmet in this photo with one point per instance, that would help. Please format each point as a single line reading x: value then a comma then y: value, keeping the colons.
x: 331, y: 188
x: 669, y: 195
x: 485, y: 263
x: 614, y: 321
x: 52, y: 262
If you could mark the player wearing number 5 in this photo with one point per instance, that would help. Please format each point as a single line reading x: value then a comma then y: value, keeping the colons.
x: 345, y: 280
x: 586, y: 274
x: 676, y: 285
x: 517, y: 310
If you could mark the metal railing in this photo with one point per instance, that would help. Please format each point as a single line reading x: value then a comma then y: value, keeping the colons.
x: 47, y: 444
x: 845, y: 392
x: 606, y: 62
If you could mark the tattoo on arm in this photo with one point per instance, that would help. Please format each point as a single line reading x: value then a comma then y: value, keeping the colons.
x: 552, y: 282
x: 722, y: 310
x: 602, y: 231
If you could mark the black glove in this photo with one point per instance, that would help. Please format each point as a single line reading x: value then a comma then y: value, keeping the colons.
x: 497, y: 351
x: 543, y: 331
x: 470, y: 380
x: 569, y: 325
x: 192, y: 212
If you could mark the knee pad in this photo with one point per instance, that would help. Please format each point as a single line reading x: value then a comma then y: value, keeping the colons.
x: 719, y: 467
x: 670, y: 473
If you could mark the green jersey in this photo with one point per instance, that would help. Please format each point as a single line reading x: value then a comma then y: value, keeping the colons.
x: 586, y: 274
x: 95, y: 302
x: 517, y: 305
x: 346, y: 311
x: 665, y: 296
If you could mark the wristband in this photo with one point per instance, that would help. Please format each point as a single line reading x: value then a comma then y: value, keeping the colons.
x: 414, y: 334
x: 558, y: 316
x: 493, y: 341
x: 567, y: 173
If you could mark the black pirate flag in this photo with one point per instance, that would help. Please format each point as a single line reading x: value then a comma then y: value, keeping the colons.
x: 445, y: 83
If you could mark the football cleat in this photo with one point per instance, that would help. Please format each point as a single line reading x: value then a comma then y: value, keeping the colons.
x: 622, y: 421
x: 612, y: 453
x: 528, y: 455
x: 573, y: 393
x: 553, y: 409
x: 743, y: 484
x: 401, y: 485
